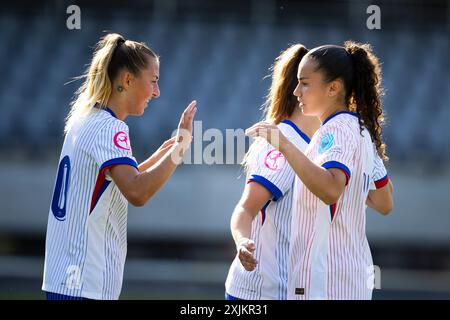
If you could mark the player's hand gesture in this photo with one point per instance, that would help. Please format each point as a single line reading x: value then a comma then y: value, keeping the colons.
x: 184, y: 132
x: 245, y: 248
x: 162, y: 150
x: 268, y: 131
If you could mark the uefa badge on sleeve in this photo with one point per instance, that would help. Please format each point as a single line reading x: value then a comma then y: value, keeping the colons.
x: 326, y: 143
x: 121, y: 141
x: 274, y: 160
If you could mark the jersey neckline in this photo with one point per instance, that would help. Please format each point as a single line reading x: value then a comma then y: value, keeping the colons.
x: 110, y: 112
x: 105, y: 108
x: 297, y: 129
x: 338, y: 113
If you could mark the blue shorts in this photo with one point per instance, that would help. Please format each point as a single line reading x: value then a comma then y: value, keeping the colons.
x: 230, y: 297
x: 57, y: 296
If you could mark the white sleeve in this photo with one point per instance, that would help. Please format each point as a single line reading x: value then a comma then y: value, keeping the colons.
x: 269, y: 168
x: 336, y: 149
x: 112, y: 146
x: 379, y: 174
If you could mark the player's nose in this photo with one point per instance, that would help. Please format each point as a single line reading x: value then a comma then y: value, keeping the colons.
x: 297, y: 90
x: 156, y: 92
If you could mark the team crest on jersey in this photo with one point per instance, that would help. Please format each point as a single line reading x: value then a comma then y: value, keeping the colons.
x: 121, y: 140
x: 326, y: 143
x: 274, y: 160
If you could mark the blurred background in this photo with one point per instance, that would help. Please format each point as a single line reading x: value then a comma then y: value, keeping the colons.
x: 219, y: 52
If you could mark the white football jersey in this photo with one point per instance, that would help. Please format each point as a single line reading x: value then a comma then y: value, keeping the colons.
x: 271, y: 228
x: 329, y: 255
x: 86, y: 241
x: 379, y: 174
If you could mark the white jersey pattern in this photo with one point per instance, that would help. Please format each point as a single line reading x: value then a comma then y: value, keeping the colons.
x: 330, y: 256
x: 380, y: 177
x: 86, y: 241
x: 271, y: 228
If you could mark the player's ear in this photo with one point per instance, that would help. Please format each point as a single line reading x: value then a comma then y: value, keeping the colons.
x: 127, y: 79
x: 334, y: 87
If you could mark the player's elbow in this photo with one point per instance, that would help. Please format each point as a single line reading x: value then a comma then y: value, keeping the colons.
x: 331, y: 193
x: 330, y: 197
x: 136, y: 202
x: 382, y: 205
x: 386, y: 208
x: 329, y: 200
x: 137, y: 199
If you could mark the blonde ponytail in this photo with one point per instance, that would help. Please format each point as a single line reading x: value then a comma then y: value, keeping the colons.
x: 112, y: 53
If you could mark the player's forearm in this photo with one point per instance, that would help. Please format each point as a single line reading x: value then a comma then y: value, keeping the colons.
x: 320, y: 181
x: 241, y: 224
x: 150, y: 181
x: 383, y: 208
x: 147, y: 163
x: 381, y: 200
x: 152, y: 160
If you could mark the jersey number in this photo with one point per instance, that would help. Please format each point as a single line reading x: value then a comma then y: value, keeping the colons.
x: 59, y: 200
x: 366, y: 182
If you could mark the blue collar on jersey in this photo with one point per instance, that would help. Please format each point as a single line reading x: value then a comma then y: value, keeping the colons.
x: 338, y: 113
x: 297, y: 129
x: 111, y: 112
x: 107, y: 109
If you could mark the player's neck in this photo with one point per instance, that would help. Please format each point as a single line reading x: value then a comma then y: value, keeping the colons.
x: 307, y: 124
x: 117, y: 107
x: 332, y: 110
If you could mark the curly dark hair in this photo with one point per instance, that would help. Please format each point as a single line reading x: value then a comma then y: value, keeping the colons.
x: 360, y: 72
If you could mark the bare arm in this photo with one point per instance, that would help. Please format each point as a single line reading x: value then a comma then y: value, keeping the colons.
x: 253, y: 199
x: 326, y: 184
x: 162, y: 150
x: 381, y: 199
x: 139, y: 186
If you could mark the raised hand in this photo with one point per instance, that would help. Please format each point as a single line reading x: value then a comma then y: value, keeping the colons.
x: 164, y: 148
x: 268, y: 131
x: 184, y: 133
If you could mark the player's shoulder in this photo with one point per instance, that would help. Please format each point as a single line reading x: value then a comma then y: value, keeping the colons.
x: 105, y: 121
x: 293, y: 132
x: 344, y: 119
x: 342, y: 123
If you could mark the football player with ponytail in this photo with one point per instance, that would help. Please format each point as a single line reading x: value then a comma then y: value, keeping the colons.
x: 86, y: 243
x: 330, y: 256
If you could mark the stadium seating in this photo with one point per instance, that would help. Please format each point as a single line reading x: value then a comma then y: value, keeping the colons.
x: 223, y: 66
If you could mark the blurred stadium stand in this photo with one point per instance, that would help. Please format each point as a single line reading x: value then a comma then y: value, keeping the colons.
x: 218, y: 53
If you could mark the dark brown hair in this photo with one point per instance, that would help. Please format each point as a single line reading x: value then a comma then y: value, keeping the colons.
x: 359, y: 69
x: 280, y: 101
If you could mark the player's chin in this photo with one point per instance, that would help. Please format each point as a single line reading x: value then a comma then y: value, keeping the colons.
x: 308, y: 111
x: 304, y: 109
x: 140, y: 111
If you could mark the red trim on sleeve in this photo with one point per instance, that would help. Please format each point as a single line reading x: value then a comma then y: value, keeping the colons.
x: 382, y: 182
x: 98, y: 185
